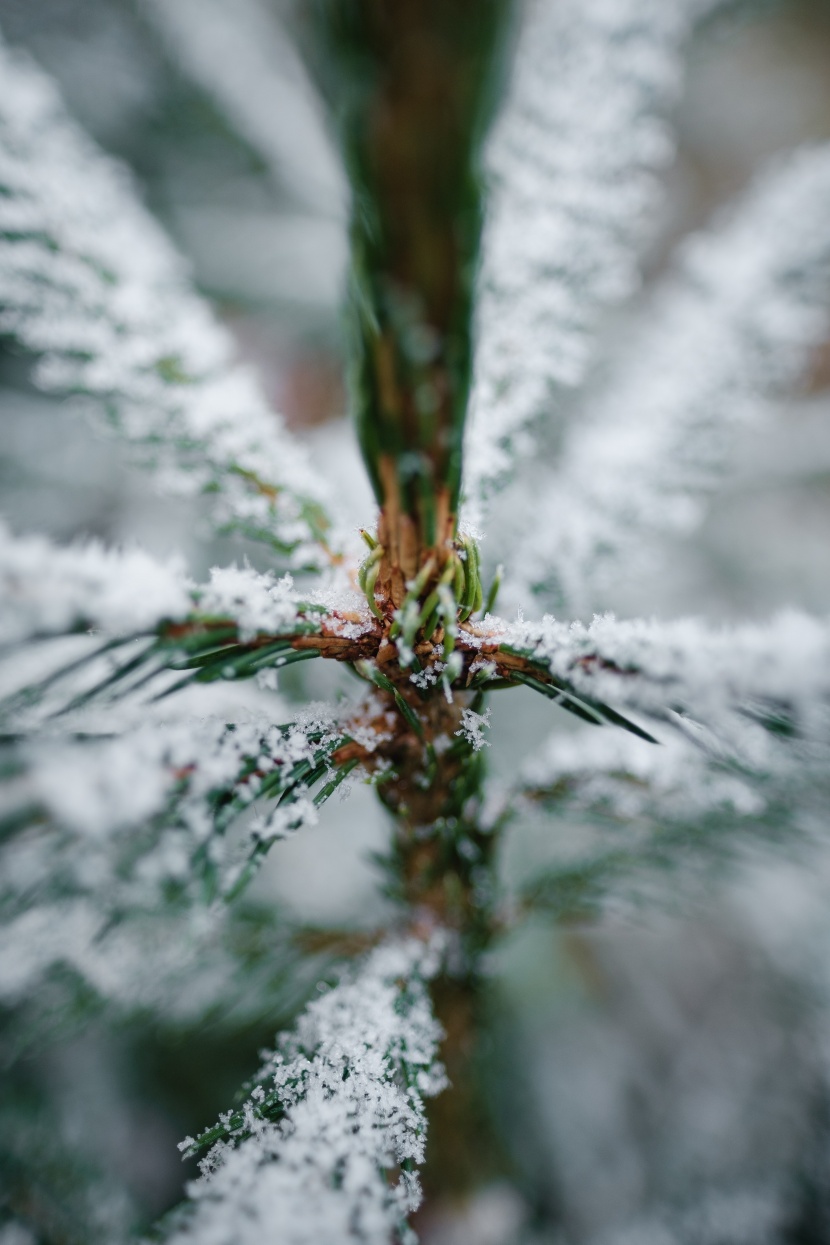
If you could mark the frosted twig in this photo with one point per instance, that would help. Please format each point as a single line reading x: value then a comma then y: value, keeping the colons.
x: 326, y: 1146
x: 725, y: 687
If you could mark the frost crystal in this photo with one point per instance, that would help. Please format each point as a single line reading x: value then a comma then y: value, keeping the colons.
x: 326, y: 1147
x: 259, y: 604
x: 473, y: 726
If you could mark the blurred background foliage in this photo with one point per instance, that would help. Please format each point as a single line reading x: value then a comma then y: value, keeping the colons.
x: 662, y: 1074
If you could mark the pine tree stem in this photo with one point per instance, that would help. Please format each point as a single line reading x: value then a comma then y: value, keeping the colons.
x: 412, y: 87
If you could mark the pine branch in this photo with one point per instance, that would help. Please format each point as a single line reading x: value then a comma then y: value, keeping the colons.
x: 101, y: 837
x: 51, y: 1178
x: 103, y: 807
x: 734, y: 327
x: 65, y: 962
x: 115, y: 851
x: 90, y: 284
x: 573, y: 162
x: 155, y: 630
x: 98, y: 829
x: 725, y: 688
x: 327, y: 1144
x: 48, y: 590
x: 117, y: 848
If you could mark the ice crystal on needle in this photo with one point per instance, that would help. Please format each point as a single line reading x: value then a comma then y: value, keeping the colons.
x: 473, y: 726
x: 259, y: 604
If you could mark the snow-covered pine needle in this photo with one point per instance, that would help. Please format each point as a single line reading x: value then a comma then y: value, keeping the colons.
x: 183, y: 965
x: 573, y: 159
x: 89, y: 282
x: 725, y: 687
x: 326, y: 1146
x: 735, y: 326
x: 46, y: 589
x: 149, y: 620
x: 98, y: 832
x: 103, y: 807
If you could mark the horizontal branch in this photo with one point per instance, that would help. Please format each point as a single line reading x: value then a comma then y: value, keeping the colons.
x: 155, y: 629
x: 735, y: 683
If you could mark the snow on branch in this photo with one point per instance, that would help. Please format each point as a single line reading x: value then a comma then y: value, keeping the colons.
x: 629, y: 811
x: 573, y: 160
x: 733, y: 327
x: 723, y: 687
x: 153, y: 621
x: 89, y: 283
x: 45, y: 589
x: 170, y: 789
x: 326, y: 1145
x: 97, y: 830
x: 627, y: 779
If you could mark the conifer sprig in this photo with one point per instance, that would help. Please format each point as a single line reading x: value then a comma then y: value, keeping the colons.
x: 129, y: 824
x: 90, y: 285
x: 339, y: 1105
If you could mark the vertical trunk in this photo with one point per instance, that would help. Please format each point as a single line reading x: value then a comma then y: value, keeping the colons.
x: 412, y: 84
